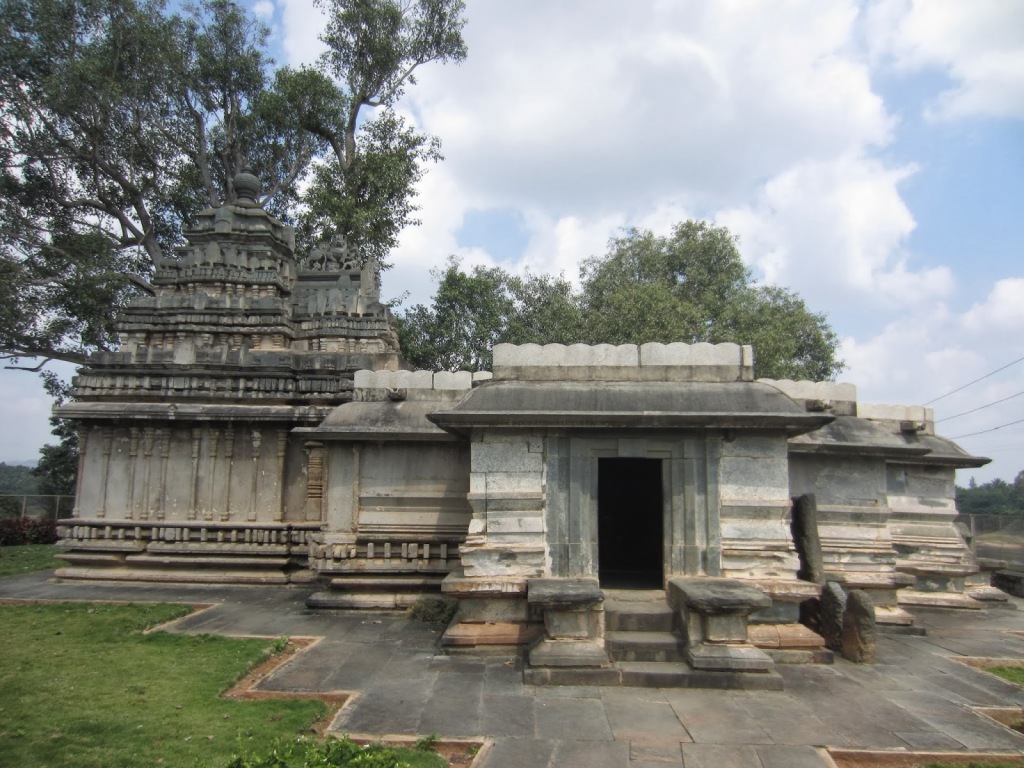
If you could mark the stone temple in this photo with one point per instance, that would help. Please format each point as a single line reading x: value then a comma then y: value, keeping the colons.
x: 258, y: 425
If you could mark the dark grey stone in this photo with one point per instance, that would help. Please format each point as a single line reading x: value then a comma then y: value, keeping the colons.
x: 804, y: 526
x: 859, y: 636
x: 555, y: 591
x: 830, y: 615
x: 714, y: 595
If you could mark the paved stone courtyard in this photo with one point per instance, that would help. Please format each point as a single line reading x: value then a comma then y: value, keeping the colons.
x: 917, y: 697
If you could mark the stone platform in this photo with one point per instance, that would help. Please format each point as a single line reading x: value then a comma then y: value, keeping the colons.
x: 919, y: 696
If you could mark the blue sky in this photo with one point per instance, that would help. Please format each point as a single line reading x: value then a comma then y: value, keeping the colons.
x: 869, y: 155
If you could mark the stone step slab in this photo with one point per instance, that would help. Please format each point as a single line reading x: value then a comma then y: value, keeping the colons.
x: 638, y: 616
x: 644, y: 646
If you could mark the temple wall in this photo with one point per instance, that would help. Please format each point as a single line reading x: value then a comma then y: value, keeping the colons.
x: 755, y: 503
x: 853, y: 516
x: 507, y: 494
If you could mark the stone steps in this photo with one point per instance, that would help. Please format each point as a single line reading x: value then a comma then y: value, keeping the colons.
x: 644, y: 646
x: 653, y: 674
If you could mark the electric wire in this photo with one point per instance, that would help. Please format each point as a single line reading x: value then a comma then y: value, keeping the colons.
x: 971, y: 383
x: 980, y: 407
x: 993, y: 429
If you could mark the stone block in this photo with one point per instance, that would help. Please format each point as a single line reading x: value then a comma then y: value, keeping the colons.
x: 499, y: 483
x: 450, y: 380
x: 815, y: 390
x: 728, y: 658
x: 682, y: 354
x: 508, y: 456
x: 885, y: 412
x: 569, y: 653
x: 481, y: 376
x: 716, y: 596
x: 859, y: 634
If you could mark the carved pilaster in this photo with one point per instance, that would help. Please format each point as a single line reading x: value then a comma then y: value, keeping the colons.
x: 148, y: 436
x: 315, y: 480
x: 197, y: 441
x: 282, y: 451
x: 108, y: 441
x: 229, y: 458
x: 83, y: 446
x: 164, y: 440
x: 133, y: 455
x: 257, y: 442
x: 209, y: 508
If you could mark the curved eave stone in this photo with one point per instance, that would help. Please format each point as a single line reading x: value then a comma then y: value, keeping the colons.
x: 628, y: 405
x: 853, y: 436
x: 944, y: 452
x: 380, y: 421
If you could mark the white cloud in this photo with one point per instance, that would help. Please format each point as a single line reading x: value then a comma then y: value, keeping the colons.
x: 263, y: 9
x: 1001, y: 312
x: 301, y: 24
x: 836, y: 232
x: 978, y: 44
x: 932, y: 352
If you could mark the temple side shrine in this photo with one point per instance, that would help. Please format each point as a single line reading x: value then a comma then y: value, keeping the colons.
x: 258, y: 425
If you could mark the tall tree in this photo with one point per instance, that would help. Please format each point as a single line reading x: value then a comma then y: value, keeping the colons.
x: 120, y: 120
x: 689, y: 286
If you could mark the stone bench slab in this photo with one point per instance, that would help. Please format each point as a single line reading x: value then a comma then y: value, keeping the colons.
x: 714, y: 596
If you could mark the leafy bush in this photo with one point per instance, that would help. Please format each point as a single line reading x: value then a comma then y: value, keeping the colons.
x: 340, y: 753
x: 26, y: 530
x: 433, y: 609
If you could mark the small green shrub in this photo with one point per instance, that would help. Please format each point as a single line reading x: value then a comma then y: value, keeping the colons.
x: 339, y: 753
x: 433, y: 609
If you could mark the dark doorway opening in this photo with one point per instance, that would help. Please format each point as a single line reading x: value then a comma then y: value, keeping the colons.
x: 630, y: 523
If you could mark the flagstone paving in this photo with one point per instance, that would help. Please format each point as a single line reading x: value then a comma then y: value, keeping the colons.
x: 916, y: 697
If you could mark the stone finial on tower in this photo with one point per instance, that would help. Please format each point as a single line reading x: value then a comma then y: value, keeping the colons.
x: 247, y: 187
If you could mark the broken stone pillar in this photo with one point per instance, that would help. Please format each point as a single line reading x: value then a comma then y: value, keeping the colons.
x: 859, y: 634
x: 830, y: 615
x: 805, y: 537
x: 714, y: 614
x: 573, y: 622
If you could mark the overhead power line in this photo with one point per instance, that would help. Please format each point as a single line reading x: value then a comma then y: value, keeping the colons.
x: 993, y: 429
x: 981, y: 407
x: 972, y: 383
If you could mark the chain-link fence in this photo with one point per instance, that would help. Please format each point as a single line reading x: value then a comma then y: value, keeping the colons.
x: 995, y: 537
x: 36, y: 507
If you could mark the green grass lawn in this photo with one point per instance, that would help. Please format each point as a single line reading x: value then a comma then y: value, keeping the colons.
x: 1013, y: 674
x: 28, y: 558
x: 80, y: 685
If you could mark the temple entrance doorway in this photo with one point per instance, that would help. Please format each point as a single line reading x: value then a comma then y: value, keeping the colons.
x: 630, y: 521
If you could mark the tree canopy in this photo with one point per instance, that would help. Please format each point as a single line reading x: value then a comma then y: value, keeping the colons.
x: 122, y: 120
x: 996, y: 497
x: 690, y: 286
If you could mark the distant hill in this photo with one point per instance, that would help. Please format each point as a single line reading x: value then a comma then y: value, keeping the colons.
x: 18, y: 478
